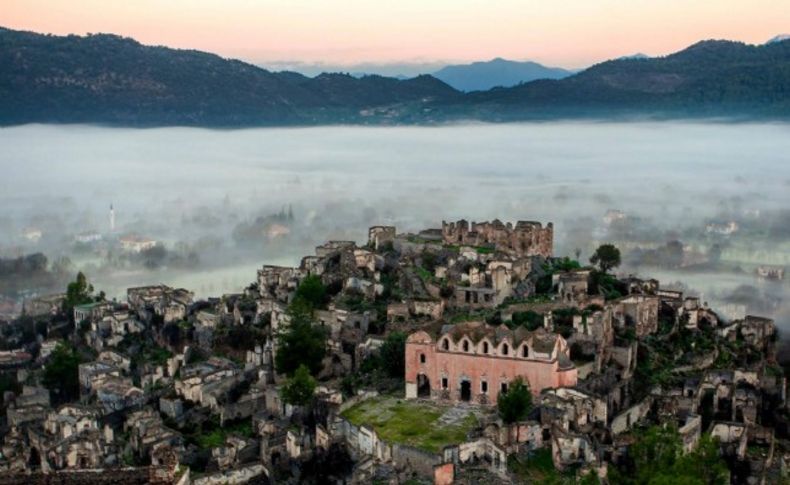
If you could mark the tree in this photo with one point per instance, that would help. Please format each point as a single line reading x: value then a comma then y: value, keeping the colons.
x: 393, y: 354
x: 704, y: 463
x: 589, y: 478
x: 300, y: 309
x: 565, y: 264
x: 607, y: 256
x: 515, y: 404
x: 312, y: 290
x: 329, y: 466
x: 42, y: 328
x: 672, y: 254
x: 300, y: 342
x: 62, y: 266
x: 714, y: 253
x: 429, y: 260
x: 298, y: 390
x: 657, y: 458
x: 27, y: 328
x: 655, y: 452
x: 78, y: 292
x: 154, y: 257
x: 61, y: 373
x: 8, y: 383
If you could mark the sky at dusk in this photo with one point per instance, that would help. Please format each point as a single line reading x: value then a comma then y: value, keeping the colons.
x: 566, y: 33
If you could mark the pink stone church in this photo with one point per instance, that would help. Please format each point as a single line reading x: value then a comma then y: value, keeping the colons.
x: 475, y: 362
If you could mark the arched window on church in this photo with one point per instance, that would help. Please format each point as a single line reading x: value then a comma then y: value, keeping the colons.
x: 445, y: 344
x: 505, y: 349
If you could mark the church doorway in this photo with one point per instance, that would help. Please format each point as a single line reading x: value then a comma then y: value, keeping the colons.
x: 466, y: 391
x: 423, y: 386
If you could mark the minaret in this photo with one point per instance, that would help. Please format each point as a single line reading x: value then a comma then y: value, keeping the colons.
x: 112, y: 219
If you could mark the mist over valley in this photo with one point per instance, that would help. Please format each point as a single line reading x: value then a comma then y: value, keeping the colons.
x: 219, y: 204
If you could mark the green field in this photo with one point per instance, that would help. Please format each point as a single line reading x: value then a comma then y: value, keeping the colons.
x: 424, y: 425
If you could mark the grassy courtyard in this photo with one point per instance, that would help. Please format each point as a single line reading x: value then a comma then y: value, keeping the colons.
x: 421, y: 424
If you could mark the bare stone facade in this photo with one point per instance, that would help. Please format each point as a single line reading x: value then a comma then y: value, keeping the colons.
x: 526, y: 238
x: 639, y: 312
x: 378, y: 236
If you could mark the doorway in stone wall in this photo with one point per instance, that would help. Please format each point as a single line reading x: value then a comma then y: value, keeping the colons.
x: 34, y: 460
x: 466, y: 391
x: 423, y: 386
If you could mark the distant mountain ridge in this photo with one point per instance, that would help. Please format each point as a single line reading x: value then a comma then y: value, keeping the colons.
x: 113, y: 80
x: 482, y: 76
x: 712, y: 78
x: 105, y: 78
x: 778, y: 38
x: 398, y: 70
x: 638, y: 55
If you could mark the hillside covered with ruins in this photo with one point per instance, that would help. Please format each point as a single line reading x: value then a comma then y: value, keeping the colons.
x: 464, y: 353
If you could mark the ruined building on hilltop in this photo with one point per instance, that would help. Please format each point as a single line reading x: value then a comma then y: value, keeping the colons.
x: 526, y: 238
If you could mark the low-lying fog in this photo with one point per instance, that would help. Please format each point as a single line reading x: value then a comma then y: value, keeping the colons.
x: 219, y: 202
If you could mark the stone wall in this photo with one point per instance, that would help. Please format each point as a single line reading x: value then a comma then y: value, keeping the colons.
x: 526, y: 238
x: 638, y: 311
x: 171, y: 407
x: 628, y: 418
x: 418, y: 460
x: 625, y: 357
x: 434, y: 309
x: 239, y: 475
x: 380, y: 235
x: 245, y: 407
x: 114, y: 476
x: 690, y: 432
x: 364, y: 441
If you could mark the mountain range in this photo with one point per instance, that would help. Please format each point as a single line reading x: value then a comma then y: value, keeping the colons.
x: 475, y: 76
x: 482, y: 76
x: 712, y: 78
x: 114, y: 80
x: 779, y: 38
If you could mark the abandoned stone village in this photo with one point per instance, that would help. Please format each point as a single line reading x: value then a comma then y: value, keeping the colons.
x: 395, y: 361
